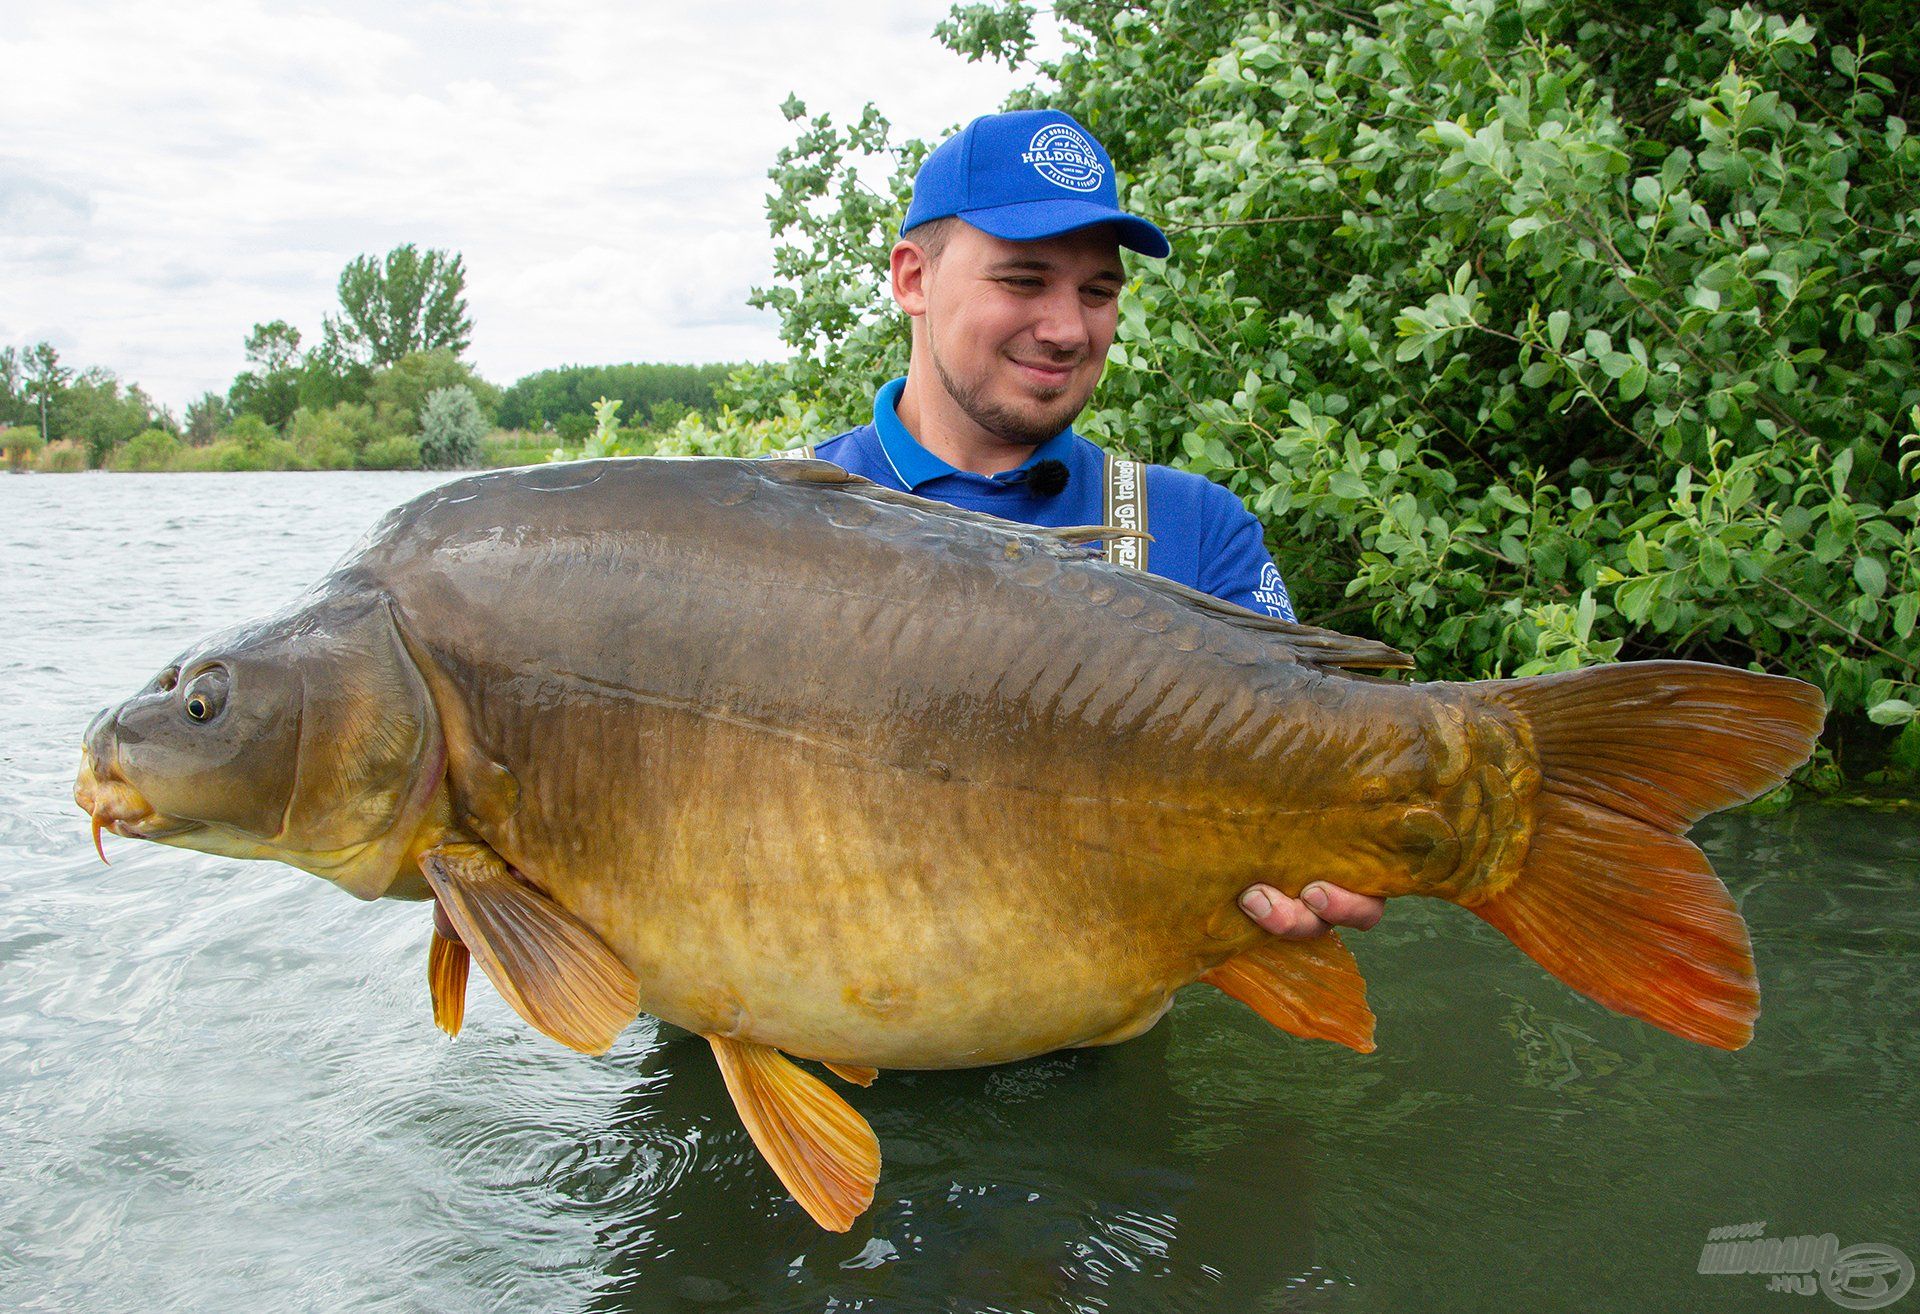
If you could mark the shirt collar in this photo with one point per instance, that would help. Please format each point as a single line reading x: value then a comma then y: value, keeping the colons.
x: 916, y: 465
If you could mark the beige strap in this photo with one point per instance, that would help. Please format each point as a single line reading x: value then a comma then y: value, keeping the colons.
x: 1126, y: 507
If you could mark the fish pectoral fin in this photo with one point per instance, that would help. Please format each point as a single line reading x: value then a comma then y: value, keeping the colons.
x: 447, y: 978
x: 851, y: 1073
x: 823, y: 1152
x: 545, y: 962
x: 1310, y: 988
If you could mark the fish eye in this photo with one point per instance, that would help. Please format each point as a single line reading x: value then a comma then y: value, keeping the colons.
x: 205, y: 695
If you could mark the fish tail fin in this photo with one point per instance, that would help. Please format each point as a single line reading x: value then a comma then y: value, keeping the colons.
x: 1610, y: 897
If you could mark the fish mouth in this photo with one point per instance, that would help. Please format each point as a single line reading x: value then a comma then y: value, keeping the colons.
x: 115, y: 805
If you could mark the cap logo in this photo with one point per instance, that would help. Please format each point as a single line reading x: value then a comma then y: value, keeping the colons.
x: 1065, y: 158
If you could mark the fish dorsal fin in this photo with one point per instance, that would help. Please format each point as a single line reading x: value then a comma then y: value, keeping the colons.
x: 1310, y: 988
x: 823, y: 1152
x: 447, y: 980
x: 1305, y: 643
x: 545, y: 962
x: 851, y: 1073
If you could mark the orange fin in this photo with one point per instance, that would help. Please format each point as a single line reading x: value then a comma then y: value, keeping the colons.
x: 1633, y: 918
x: 821, y: 1150
x: 544, y: 961
x: 447, y: 978
x: 1666, y: 742
x: 1311, y: 988
x: 1609, y: 897
x: 852, y: 1073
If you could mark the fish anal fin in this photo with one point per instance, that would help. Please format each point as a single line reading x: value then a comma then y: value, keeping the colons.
x: 1310, y: 988
x: 823, y: 1152
x: 545, y: 962
x: 852, y: 1073
x: 447, y: 978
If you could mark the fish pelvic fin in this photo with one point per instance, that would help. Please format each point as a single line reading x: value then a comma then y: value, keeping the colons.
x: 851, y: 1073
x: 1610, y: 897
x: 822, y: 1151
x: 1310, y: 988
x: 447, y: 978
x: 545, y: 962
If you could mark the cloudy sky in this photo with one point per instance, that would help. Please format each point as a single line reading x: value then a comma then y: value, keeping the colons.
x: 172, y: 173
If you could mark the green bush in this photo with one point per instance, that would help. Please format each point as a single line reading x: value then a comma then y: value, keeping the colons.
x: 64, y: 456
x: 150, y: 449
x: 1538, y: 333
x: 231, y: 455
x: 397, y: 452
x: 20, y: 445
x: 333, y: 438
x: 451, y: 429
x: 505, y: 447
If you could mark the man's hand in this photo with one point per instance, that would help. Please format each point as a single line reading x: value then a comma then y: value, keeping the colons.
x: 1319, y: 909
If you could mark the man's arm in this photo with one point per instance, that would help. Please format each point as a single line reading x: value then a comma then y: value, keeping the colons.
x: 1234, y: 563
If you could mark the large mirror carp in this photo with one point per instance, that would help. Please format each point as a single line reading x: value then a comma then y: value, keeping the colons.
x: 820, y: 770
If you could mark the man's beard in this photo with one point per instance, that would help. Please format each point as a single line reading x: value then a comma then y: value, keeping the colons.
x: 998, y: 420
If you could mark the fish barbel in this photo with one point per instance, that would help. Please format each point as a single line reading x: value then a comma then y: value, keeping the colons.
x: 821, y: 770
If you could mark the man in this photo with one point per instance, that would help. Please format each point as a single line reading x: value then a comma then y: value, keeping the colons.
x: 1009, y: 265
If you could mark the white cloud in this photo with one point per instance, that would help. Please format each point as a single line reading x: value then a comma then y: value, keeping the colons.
x: 174, y: 173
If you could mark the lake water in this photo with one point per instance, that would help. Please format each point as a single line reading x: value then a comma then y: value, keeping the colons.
x: 221, y: 1089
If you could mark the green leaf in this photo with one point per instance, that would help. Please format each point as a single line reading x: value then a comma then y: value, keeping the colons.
x: 1348, y: 485
x: 1715, y: 565
x: 1870, y: 573
x: 1892, y: 711
x: 1557, y: 324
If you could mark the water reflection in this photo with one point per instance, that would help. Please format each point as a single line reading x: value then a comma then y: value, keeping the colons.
x: 1072, y: 1181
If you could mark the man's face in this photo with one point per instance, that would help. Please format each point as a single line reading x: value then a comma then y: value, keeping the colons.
x: 1017, y: 332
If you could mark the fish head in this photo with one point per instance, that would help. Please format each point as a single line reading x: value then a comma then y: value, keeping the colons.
x: 309, y: 738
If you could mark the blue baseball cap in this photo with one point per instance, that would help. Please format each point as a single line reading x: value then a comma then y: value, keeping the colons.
x: 1026, y: 175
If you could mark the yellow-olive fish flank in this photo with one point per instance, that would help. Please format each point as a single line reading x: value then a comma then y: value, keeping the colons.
x: 820, y: 770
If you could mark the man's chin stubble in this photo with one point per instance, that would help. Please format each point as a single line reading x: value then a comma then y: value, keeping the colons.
x: 998, y: 420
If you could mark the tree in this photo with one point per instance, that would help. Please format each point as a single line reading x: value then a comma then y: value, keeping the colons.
x: 451, y: 427
x: 409, y: 302
x: 14, y: 408
x: 398, y: 393
x: 271, y: 389
x: 206, y: 417
x: 46, y: 376
x: 95, y: 411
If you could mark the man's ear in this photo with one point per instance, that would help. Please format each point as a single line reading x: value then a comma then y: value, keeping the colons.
x: 911, y: 270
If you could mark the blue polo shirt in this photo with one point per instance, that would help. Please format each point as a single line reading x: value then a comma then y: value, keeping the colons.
x: 1202, y: 536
